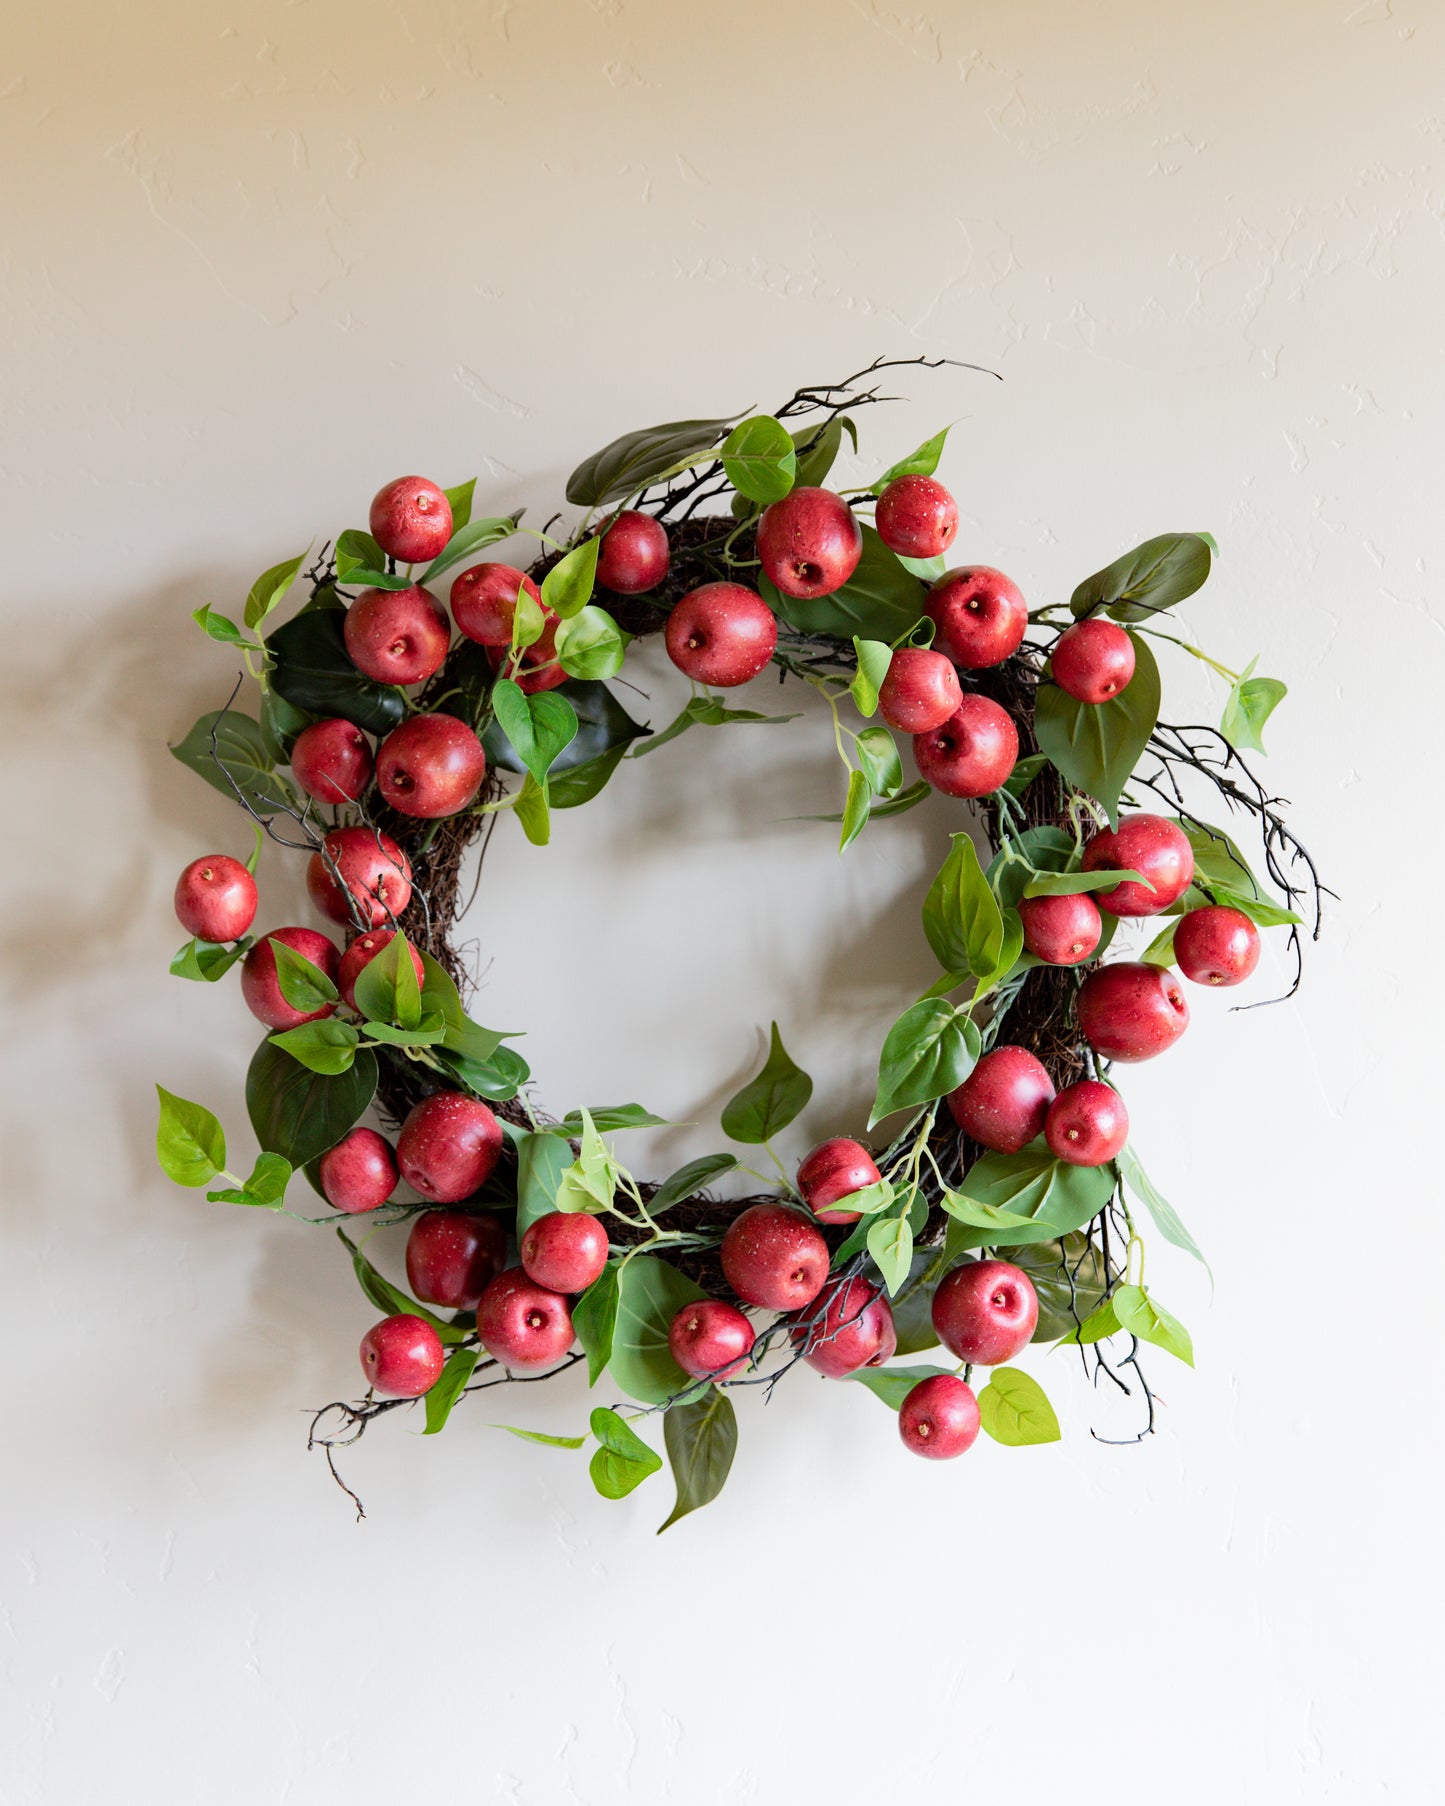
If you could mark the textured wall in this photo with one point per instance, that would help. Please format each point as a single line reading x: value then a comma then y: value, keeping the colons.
x: 258, y: 259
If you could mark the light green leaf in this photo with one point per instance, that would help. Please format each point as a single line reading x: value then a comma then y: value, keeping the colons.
x: 219, y: 628
x: 1251, y: 703
x: 759, y: 459
x: 769, y: 1102
x: 325, y: 1046
x: 1014, y: 1410
x: 460, y: 502
x: 567, y: 588
x: 190, y: 1142
x: 1098, y: 1326
x: 1054, y: 1196
x: 541, y: 1161
x: 532, y: 812
x: 650, y: 1294
x: 460, y: 1365
x: 303, y: 984
x: 921, y: 463
x: 1139, y: 1316
x: 594, y: 1317
x: 890, y: 1244
x: 874, y: 658
x: 474, y: 537
x: 357, y: 551
x: 961, y: 915
x: 201, y: 961
x: 879, y: 762
x: 1160, y: 951
x: 591, y: 645
x: 270, y: 587
x: 1166, y: 1218
x: 855, y: 809
x: 623, y: 1461
x: 392, y: 1301
x: 992, y: 1217
x: 929, y: 1051
x: 893, y: 1384
x: 265, y: 1188
x: 1075, y: 884
x: 539, y: 727
x: 386, y: 990
x: 551, y: 1442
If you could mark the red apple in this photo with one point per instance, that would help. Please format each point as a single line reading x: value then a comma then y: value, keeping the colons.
x: 448, y: 1146
x: 216, y: 898
x: 710, y: 1340
x: 1152, y: 845
x: 634, y: 555
x: 985, y: 1311
x: 721, y: 634
x: 430, y: 766
x: 538, y: 669
x: 1061, y: 931
x: 1093, y: 660
x: 1216, y: 945
x: 262, y: 991
x: 361, y: 952
x: 366, y: 865
x: 411, y: 520
x: 402, y: 1356
x: 980, y: 616
x: 1087, y: 1124
x: 774, y: 1257
x: 484, y: 600
x: 452, y: 1256
x: 834, y: 1170
x: 939, y: 1417
x: 359, y: 1173
x: 809, y: 543
x: 972, y: 753
x: 916, y: 517
x: 1003, y: 1101
x: 1130, y: 1011
x: 564, y: 1250
x: 522, y: 1325
x: 920, y: 692
x: 855, y: 1329
x: 331, y: 761
x: 397, y: 636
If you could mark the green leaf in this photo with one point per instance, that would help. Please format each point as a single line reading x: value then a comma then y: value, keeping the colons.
x: 623, y: 1461
x: 532, y: 811
x: 568, y: 789
x: 855, y: 810
x: 1166, y: 1218
x: 1222, y: 868
x: 818, y: 449
x: 1139, y: 1316
x: 1152, y: 577
x: 689, y: 1180
x: 475, y: 536
x: 1098, y: 1326
x: 1262, y: 913
x: 890, y: 1244
x: 1160, y: 951
x: 1075, y: 884
x: 1054, y: 1196
x: 759, y: 459
x: 327, y: 1046
x: 202, y: 961
x: 239, y: 749
x: 460, y: 1365
x: 603, y: 725
x: 567, y: 588
x: 594, y: 1317
x: 874, y: 658
x: 1068, y: 1276
x: 1024, y: 773
x: 496, y: 1079
x: 313, y: 671
x: 219, y: 628
x: 1251, y: 702
x: 541, y: 1161
x: 539, y: 727
x: 905, y: 800
x: 1014, y: 1410
x: 607, y: 1119
x: 270, y: 587
x: 303, y: 984
x: 1036, y: 849
x: 1008, y: 956
x: 769, y: 1102
x: 702, y: 1438
x: 879, y: 762
x: 893, y: 1384
x: 551, y: 1442
x: 431, y: 1032
x: 1097, y: 745
x: 591, y: 644
x: 929, y: 1051
x: 190, y: 1142
x: 265, y: 1188
x: 706, y: 711
x: 357, y: 551
x: 281, y: 723
x: 460, y: 502
x: 392, y: 1300
x: 880, y: 601
x: 650, y: 1295
x: 386, y: 988
x: 629, y: 463
x: 992, y: 1217
x: 961, y: 916
x: 921, y: 463
x: 299, y: 1113
x: 528, y: 622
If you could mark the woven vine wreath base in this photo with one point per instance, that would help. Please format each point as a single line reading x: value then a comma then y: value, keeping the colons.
x: 1072, y: 1233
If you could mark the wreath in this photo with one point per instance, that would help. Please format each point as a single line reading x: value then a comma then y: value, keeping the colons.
x: 1003, y: 1204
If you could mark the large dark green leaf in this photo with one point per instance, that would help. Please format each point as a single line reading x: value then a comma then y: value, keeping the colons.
x: 880, y: 601
x: 650, y: 1294
x: 239, y: 747
x: 818, y: 447
x: 299, y: 1113
x: 759, y: 459
x: 771, y: 1101
x: 629, y: 463
x: 1097, y: 745
x: 961, y: 916
x: 1152, y: 577
x: 893, y: 1384
x: 594, y: 1317
x: 1068, y: 1269
x: 312, y: 671
x: 701, y: 1438
x: 541, y: 1161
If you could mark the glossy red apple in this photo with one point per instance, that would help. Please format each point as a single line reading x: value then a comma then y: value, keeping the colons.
x: 920, y: 692
x: 1131, y: 1011
x: 397, y: 636
x: 1093, y: 660
x: 216, y: 898
x: 448, y: 1146
x: 331, y: 761
x: 939, y: 1417
x: 833, y: 1171
x: 1003, y: 1101
x: 634, y: 555
x: 1087, y: 1124
x: 484, y: 600
x: 430, y: 766
x: 916, y: 517
x: 368, y: 866
x: 710, y: 1340
x: 774, y: 1257
x: 1149, y: 844
x: 721, y: 634
x: 359, y: 1173
x: 361, y: 952
x: 980, y: 616
x: 523, y: 1325
x: 809, y: 543
x: 538, y: 669
x: 855, y: 1329
x: 411, y: 520
x: 402, y: 1356
x: 985, y: 1311
x: 1216, y: 945
x: 452, y: 1256
x: 972, y: 753
x: 261, y: 989
x: 565, y: 1250
x: 1061, y: 931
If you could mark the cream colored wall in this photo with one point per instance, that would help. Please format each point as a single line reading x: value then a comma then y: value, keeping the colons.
x: 257, y: 260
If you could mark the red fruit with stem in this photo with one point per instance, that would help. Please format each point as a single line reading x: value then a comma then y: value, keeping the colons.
x: 484, y: 600
x: 833, y: 1172
x: 262, y: 990
x: 366, y: 865
x: 402, y: 1356
x: 774, y: 1257
x: 537, y: 669
x: 361, y: 952
x: 849, y: 1325
x: 920, y: 692
x: 448, y: 1146
x: 565, y: 1250
x: 939, y: 1417
x: 710, y: 1340
x: 523, y: 1325
x: 216, y: 898
x: 916, y: 517
x: 985, y: 1311
x: 1216, y: 945
x: 1152, y: 845
x: 721, y: 634
x: 1061, y: 931
x: 634, y: 555
x: 397, y: 636
x: 1004, y: 1100
x: 452, y: 1256
x: 359, y: 1173
x: 972, y: 753
x: 980, y: 616
x: 411, y: 520
x: 430, y: 766
x: 331, y: 761
x: 1087, y: 1124
x: 1093, y: 661
x: 809, y: 543
x: 1131, y: 1011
